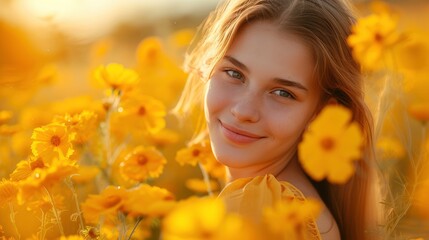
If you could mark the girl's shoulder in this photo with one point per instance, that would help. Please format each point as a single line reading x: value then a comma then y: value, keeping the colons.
x: 250, y: 196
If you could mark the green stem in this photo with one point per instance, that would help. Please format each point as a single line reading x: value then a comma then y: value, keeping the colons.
x: 135, y: 226
x: 43, y: 226
x: 382, y: 106
x: 70, y: 184
x: 13, y: 220
x: 56, y: 214
x: 206, y: 179
x: 122, y: 227
x: 416, y: 165
x: 107, y: 141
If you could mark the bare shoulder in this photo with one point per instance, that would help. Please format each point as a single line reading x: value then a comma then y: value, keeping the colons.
x: 327, y: 225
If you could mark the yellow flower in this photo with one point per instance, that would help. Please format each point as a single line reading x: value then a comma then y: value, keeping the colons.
x: 150, y: 52
x: 236, y: 227
x: 100, y: 49
x: 32, y: 117
x: 25, y: 168
x: 149, y: 201
x: 164, y: 137
x: 288, y: 218
x: 142, y: 163
x: 108, y: 231
x: 72, y: 237
x: 20, y: 143
x: 413, y: 54
x: 144, y: 113
x: 22, y: 171
x: 52, y: 141
x: 5, y: 116
x: 8, y: 192
x: 77, y: 105
x: 197, y: 152
x: 200, y: 186
x: 111, y: 231
x: 182, y: 38
x: 195, y: 218
x: 8, y: 130
x: 106, y: 205
x: 82, y: 124
x: 214, y: 167
x: 202, y: 152
x: 90, y: 233
x: 164, y: 78
x: 379, y: 6
x: 116, y: 77
x: 44, y: 177
x: 419, y: 111
x: 85, y: 174
x: 205, y: 218
x: 7, y: 159
x: 144, y: 229
x: 43, y: 202
x: 390, y: 148
x: 330, y: 145
x: 372, y: 37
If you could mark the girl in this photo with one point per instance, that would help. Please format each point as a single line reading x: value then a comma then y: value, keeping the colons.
x: 262, y: 70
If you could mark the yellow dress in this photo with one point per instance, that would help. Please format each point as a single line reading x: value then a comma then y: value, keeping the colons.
x: 248, y: 196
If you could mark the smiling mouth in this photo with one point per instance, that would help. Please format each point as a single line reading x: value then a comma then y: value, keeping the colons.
x: 238, y: 136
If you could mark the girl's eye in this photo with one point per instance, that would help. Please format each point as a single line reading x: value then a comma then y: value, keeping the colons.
x: 234, y: 74
x: 283, y: 93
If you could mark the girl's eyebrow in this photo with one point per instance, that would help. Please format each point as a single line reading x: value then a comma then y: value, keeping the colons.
x: 290, y: 83
x: 281, y: 81
x: 236, y: 62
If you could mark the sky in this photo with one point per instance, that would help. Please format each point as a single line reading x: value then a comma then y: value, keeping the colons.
x: 86, y: 20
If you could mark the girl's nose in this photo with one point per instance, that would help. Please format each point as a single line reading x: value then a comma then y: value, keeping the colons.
x: 246, y: 108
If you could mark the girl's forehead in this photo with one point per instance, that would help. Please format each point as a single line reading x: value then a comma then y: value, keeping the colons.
x: 265, y: 34
x: 265, y: 39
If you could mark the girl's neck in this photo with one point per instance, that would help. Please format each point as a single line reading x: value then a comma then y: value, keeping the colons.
x: 280, y: 169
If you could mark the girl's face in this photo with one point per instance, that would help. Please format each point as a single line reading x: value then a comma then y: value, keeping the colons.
x: 260, y: 98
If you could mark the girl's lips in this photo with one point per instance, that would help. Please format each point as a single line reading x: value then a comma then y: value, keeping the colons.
x: 238, y: 136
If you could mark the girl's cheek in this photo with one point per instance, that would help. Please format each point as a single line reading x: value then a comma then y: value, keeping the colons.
x: 219, y: 93
x: 213, y: 95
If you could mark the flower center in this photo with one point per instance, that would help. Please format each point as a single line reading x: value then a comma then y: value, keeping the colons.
x: 195, y: 153
x: 168, y: 198
x: 327, y: 143
x: 378, y: 37
x: 142, y: 111
x: 38, y: 163
x: 111, y: 201
x: 142, y: 160
x: 93, y: 233
x: 55, y: 140
x: 152, y: 53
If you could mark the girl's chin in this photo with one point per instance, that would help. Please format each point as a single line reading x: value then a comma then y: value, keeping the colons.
x: 236, y: 163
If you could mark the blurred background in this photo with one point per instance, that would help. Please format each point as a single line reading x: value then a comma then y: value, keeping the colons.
x: 50, y: 48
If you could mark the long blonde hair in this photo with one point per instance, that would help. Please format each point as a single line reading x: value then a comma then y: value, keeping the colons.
x: 324, y: 25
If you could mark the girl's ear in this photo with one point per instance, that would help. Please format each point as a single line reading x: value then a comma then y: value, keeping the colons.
x: 332, y: 101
